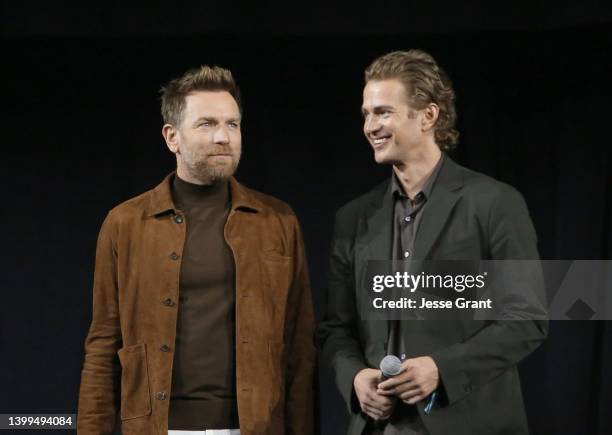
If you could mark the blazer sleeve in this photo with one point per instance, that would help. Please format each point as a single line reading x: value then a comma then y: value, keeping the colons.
x: 337, y: 334
x: 301, y: 355
x: 501, y: 344
x: 99, y: 391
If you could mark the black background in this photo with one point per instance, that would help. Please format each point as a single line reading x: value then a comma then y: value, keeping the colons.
x: 81, y: 133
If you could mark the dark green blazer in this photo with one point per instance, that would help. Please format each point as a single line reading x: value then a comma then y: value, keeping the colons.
x: 468, y: 216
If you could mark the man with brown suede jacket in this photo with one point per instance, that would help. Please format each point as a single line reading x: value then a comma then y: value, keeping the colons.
x: 202, y: 313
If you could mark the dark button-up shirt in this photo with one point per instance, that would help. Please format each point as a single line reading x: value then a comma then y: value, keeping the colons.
x: 407, y: 215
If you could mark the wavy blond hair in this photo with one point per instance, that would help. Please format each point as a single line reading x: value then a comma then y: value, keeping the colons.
x: 425, y: 83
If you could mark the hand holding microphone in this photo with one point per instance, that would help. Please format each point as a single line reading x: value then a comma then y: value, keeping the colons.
x: 416, y: 380
x: 390, y: 366
x: 374, y: 405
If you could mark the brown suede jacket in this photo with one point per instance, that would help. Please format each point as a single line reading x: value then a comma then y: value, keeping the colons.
x: 128, y: 351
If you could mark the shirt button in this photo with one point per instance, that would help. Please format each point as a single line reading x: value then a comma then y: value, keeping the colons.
x: 178, y: 219
x: 160, y: 395
x: 164, y: 348
x: 407, y: 219
x: 168, y: 302
x: 406, y: 254
x: 174, y: 256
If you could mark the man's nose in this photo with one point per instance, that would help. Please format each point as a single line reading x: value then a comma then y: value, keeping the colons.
x: 221, y: 135
x: 370, y: 125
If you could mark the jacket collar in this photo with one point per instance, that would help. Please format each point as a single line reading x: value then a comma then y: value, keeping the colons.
x: 161, y: 197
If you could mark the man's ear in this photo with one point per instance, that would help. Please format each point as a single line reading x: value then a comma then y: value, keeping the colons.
x: 430, y: 116
x: 170, y: 134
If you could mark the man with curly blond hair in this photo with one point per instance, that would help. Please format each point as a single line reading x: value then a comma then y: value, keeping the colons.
x: 457, y: 377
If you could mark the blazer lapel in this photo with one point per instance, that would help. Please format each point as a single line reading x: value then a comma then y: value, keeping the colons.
x: 378, y: 230
x: 444, y: 196
x: 374, y: 243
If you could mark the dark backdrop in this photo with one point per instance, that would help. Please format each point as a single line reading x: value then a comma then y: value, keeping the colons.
x: 82, y: 133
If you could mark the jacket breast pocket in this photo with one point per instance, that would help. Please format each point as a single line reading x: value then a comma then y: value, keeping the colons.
x: 135, y: 395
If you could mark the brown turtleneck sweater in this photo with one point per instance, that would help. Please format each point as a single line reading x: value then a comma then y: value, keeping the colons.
x: 204, y: 373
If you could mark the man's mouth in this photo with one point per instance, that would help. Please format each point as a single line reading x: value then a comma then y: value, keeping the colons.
x: 379, y: 142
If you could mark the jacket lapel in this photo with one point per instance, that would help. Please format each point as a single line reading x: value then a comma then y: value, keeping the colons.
x: 444, y: 197
x: 378, y: 232
x: 374, y: 239
x: 374, y: 243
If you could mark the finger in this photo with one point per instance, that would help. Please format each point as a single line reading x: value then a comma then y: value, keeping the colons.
x: 415, y: 399
x: 372, y: 402
x: 389, y: 383
x: 405, y: 376
x: 377, y: 414
x: 386, y: 393
x: 410, y: 363
x: 365, y: 409
x: 398, y: 389
x: 406, y: 395
x: 380, y: 402
x: 373, y: 412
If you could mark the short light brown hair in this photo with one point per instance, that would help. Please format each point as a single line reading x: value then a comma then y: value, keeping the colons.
x: 204, y: 78
x: 425, y: 83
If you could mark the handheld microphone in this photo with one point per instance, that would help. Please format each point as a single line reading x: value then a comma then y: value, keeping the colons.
x: 390, y: 366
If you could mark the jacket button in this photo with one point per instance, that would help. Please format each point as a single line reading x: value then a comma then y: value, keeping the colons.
x: 174, y: 256
x: 467, y: 388
x: 164, y: 348
x: 178, y: 219
x: 160, y: 395
x: 168, y: 302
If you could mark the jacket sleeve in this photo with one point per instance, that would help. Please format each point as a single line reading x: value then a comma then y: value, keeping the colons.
x: 99, y: 391
x: 337, y: 334
x: 301, y: 356
x: 500, y: 344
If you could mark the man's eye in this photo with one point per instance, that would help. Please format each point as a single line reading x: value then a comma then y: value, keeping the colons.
x: 233, y: 125
x: 206, y: 124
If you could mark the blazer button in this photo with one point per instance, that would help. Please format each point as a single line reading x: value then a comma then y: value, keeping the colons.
x: 174, y: 256
x: 178, y: 219
x: 160, y: 395
x: 168, y: 302
x: 164, y: 348
x: 467, y: 388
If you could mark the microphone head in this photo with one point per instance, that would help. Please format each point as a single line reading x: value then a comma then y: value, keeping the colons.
x: 390, y: 366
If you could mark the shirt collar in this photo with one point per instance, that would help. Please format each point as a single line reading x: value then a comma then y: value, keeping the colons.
x: 397, y: 190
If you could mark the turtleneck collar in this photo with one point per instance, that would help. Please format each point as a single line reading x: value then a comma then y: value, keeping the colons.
x: 187, y: 194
